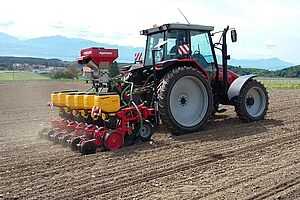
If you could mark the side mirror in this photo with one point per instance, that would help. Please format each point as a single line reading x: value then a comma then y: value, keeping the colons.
x: 233, y: 35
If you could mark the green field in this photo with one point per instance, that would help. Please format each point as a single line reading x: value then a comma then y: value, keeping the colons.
x: 280, y: 83
x: 21, y: 76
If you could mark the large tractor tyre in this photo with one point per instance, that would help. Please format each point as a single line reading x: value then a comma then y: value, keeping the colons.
x: 253, y: 102
x: 185, y: 100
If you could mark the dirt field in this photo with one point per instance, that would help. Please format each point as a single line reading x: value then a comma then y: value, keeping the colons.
x: 228, y: 160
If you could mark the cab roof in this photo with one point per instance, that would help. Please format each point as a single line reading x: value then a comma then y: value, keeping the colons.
x: 177, y: 26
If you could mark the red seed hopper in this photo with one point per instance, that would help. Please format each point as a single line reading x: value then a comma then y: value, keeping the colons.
x: 97, y: 58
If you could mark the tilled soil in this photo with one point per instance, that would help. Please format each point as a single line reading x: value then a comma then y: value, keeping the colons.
x: 227, y: 160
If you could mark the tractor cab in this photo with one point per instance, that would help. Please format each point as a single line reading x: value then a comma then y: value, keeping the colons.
x: 189, y: 43
x: 183, y: 41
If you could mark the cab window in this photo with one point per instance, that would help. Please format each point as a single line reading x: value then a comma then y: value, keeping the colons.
x: 200, y: 46
x: 175, y: 39
x: 151, y: 42
x: 201, y: 51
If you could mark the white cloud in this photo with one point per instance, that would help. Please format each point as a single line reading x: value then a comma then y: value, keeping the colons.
x: 269, y: 43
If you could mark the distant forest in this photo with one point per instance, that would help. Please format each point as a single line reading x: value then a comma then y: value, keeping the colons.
x: 290, y: 72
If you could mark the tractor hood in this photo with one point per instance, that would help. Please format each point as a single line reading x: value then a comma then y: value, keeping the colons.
x: 231, y: 76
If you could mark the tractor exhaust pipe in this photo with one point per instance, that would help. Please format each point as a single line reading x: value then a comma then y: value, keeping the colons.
x: 225, y: 57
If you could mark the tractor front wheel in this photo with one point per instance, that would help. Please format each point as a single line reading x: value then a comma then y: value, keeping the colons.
x: 185, y: 100
x: 253, y: 101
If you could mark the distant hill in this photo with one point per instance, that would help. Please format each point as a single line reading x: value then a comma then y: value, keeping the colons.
x: 269, y: 64
x: 8, y: 39
x: 68, y: 49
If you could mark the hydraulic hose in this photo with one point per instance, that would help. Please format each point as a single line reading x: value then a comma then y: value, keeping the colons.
x: 132, y: 102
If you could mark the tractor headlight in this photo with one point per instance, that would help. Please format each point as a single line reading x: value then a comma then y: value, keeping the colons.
x: 143, y: 32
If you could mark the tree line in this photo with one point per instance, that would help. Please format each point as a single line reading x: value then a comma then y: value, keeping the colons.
x: 74, y: 70
x: 290, y: 72
x: 6, y: 61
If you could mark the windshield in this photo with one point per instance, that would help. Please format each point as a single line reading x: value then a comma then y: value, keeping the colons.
x: 175, y: 38
x: 151, y: 42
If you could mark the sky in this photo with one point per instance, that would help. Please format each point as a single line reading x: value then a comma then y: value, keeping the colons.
x: 265, y: 28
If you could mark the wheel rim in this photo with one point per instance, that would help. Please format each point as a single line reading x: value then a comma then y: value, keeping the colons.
x: 258, y: 104
x: 114, y: 141
x: 145, y: 131
x: 188, y: 101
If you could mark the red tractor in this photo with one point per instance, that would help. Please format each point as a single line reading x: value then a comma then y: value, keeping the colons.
x: 181, y: 78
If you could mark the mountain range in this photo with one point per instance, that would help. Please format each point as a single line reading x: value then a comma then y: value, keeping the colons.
x: 68, y: 49
x: 63, y: 48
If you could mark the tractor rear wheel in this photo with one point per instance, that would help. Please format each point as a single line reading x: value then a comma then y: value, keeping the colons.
x: 253, y: 101
x: 185, y: 100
